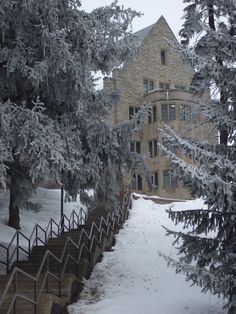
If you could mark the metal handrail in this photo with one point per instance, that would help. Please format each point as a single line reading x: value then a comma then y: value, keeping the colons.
x: 35, y: 238
x: 109, y: 224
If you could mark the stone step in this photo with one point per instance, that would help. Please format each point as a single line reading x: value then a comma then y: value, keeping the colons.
x: 24, y: 288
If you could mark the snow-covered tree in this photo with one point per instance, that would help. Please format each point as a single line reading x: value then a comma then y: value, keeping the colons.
x: 208, y: 249
x: 53, y: 121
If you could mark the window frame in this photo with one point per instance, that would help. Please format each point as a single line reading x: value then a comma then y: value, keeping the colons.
x: 135, y: 110
x: 152, y: 116
x: 164, y: 86
x: 135, y: 147
x: 163, y: 56
x: 149, y: 86
x: 169, y: 114
x: 137, y: 182
x: 172, y: 180
x: 152, y: 148
x: 155, y: 180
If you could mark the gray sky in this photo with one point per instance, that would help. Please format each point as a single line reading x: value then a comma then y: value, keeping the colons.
x: 152, y: 10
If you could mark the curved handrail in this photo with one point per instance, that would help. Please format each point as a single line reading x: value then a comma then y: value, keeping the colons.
x: 104, y: 228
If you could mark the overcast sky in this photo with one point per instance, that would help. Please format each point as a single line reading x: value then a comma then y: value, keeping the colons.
x: 152, y: 10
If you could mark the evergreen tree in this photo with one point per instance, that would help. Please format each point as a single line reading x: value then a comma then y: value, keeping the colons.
x: 53, y: 121
x: 208, y: 249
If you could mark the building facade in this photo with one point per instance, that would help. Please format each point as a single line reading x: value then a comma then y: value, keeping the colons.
x: 159, y: 76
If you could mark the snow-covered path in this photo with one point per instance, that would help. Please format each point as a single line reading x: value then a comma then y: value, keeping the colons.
x: 134, y: 279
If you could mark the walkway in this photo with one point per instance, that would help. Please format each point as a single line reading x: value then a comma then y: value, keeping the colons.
x: 133, y: 279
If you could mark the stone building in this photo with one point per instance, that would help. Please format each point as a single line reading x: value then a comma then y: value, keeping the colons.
x: 158, y: 75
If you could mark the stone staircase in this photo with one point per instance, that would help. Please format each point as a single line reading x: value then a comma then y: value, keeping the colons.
x: 61, y: 252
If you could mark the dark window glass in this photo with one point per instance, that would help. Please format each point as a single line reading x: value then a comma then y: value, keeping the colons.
x: 152, y: 115
x: 138, y: 147
x: 155, y: 148
x: 154, y: 179
x: 166, y: 179
x: 168, y: 112
x: 172, y: 112
x: 154, y: 108
x: 139, y: 183
x: 163, y: 57
x: 164, y: 112
x: 131, y: 112
x: 148, y: 85
x: 150, y: 148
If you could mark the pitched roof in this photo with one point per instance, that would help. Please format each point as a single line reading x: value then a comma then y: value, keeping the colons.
x: 140, y: 35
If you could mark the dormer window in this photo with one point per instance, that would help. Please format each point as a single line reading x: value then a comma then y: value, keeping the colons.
x: 148, y: 85
x: 163, y: 57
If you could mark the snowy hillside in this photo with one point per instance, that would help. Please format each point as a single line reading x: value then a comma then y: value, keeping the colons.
x: 48, y: 202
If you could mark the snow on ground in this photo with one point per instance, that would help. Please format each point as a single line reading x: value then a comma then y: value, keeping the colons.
x: 49, y: 201
x: 134, y: 279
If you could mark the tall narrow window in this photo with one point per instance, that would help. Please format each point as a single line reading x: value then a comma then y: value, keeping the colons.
x: 166, y: 179
x: 163, y: 57
x: 154, y: 179
x: 164, y: 112
x: 136, y: 182
x: 152, y: 116
x: 172, y: 112
x: 148, y: 85
x: 169, y: 180
x: 152, y: 146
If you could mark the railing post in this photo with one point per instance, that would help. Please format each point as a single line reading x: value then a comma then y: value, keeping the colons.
x: 80, y: 216
x: 51, y: 228
x: 29, y: 246
x: 35, y: 296
x: 60, y: 279
x: 47, y: 270
x: 62, y: 207
x: 7, y: 259
x: 17, y: 246
x: 15, y: 290
x: 36, y: 233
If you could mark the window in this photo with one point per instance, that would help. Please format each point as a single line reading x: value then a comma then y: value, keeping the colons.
x: 152, y: 146
x: 135, y: 147
x: 132, y: 111
x: 169, y: 180
x: 152, y: 116
x: 168, y: 112
x: 180, y: 87
x: 185, y: 113
x: 164, y: 86
x: 163, y: 57
x: 148, y: 85
x: 154, y: 179
x: 136, y: 182
x: 188, y: 113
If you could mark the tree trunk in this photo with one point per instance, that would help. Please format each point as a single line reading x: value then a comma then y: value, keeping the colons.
x: 223, y: 94
x: 14, y: 211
